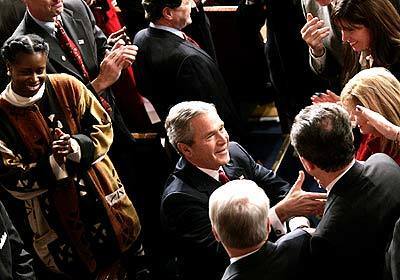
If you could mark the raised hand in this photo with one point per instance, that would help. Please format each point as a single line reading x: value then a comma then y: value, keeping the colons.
x: 61, y: 146
x: 313, y: 33
x: 300, y: 203
x: 120, y: 57
x: 379, y: 122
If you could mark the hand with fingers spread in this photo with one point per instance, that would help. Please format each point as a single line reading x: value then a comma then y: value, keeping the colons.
x: 379, y: 122
x: 313, y: 33
x: 117, y: 36
x: 61, y: 146
x: 120, y: 57
x: 300, y: 203
x: 329, y: 97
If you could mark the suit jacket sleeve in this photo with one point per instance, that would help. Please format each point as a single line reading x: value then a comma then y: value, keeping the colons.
x: 21, y: 260
x: 275, y: 187
x: 192, y: 224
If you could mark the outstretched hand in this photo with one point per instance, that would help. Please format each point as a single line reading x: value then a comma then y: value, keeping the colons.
x: 313, y: 33
x: 300, y: 203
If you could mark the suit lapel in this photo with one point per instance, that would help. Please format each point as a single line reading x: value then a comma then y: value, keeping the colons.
x: 345, y: 184
x: 195, y: 177
x: 76, y: 29
x: 233, y: 172
x: 202, y: 181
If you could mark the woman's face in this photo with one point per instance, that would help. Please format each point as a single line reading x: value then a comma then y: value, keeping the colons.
x: 28, y: 73
x: 357, y: 35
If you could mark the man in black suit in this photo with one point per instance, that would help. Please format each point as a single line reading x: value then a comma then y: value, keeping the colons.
x: 239, y: 218
x: 11, y: 13
x: 363, y: 197
x: 198, y: 134
x: 172, y: 68
x: 392, y: 265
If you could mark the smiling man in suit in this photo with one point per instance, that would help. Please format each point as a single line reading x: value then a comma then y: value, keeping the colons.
x: 171, y: 67
x: 208, y: 160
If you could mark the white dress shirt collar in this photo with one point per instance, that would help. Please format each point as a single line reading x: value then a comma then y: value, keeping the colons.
x: 169, y: 29
x: 211, y: 172
x: 235, y: 259
x: 331, y: 184
x: 49, y: 26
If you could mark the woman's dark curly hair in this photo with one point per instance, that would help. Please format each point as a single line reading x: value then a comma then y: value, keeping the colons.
x: 28, y: 44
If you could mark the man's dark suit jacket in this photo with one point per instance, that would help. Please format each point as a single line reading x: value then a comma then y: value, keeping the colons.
x: 286, y: 259
x: 11, y: 13
x: 184, y: 210
x: 358, y: 222
x: 170, y: 70
x: 392, y: 268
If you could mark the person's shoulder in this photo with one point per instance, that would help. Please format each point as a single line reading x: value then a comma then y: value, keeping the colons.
x: 298, y: 236
x: 383, y: 162
x: 63, y: 79
x: 236, y: 150
x: 73, y: 3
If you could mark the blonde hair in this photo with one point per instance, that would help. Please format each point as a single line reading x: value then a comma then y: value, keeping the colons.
x: 377, y: 89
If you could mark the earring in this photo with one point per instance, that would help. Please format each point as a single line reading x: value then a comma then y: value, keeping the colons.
x: 8, y: 73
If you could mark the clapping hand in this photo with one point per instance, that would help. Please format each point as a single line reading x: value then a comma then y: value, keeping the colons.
x: 61, y: 146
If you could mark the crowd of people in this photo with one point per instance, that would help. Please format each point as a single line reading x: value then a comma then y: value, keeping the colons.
x: 116, y: 153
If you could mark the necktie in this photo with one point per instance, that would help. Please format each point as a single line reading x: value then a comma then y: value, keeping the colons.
x: 187, y: 38
x: 73, y: 52
x: 222, y: 177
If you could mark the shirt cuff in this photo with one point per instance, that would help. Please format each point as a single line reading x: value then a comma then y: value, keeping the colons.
x: 59, y: 171
x: 298, y: 222
x: 276, y: 223
x: 75, y: 156
x: 317, y: 61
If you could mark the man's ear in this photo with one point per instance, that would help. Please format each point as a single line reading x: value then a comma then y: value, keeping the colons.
x: 268, y: 226
x: 215, y: 234
x: 167, y: 13
x: 185, y: 150
x: 308, y: 165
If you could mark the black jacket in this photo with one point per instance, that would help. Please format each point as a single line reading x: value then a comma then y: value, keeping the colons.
x: 288, y: 258
x: 358, y: 222
x: 15, y: 262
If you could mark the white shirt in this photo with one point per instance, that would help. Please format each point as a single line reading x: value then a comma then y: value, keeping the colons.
x: 49, y: 26
x: 235, y: 259
x: 169, y: 29
x: 334, y: 181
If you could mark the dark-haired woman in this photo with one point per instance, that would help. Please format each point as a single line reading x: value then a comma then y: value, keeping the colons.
x: 371, y: 30
x: 54, y: 138
x: 371, y: 33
